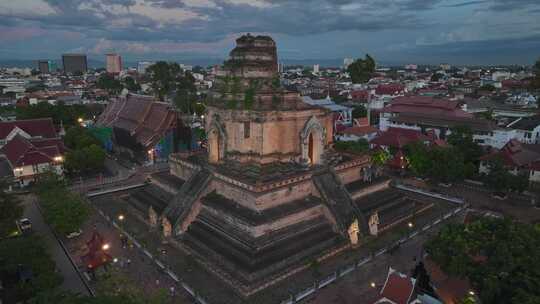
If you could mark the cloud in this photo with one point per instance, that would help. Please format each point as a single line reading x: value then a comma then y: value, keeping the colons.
x: 324, y: 27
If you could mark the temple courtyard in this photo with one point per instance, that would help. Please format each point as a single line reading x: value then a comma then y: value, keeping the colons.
x: 202, y: 278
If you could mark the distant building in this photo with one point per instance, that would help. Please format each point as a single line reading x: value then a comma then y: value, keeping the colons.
x: 445, y: 66
x: 316, y: 68
x: 142, y: 66
x: 43, y: 66
x: 74, y: 63
x: 413, y: 67
x: 347, y: 62
x: 114, y: 63
x: 46, y: 66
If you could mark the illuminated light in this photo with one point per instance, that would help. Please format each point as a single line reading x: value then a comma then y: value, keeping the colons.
x: 105, y: 246
x: 115, y: 260
x: 80, y: 120
x: 410, y: 225
x: 150, y: 151
x: 373, y: 284
x: 58, y: 158
x: 19, y: 169
x: 471, y: 292
x: 202, y: 116
x: 121, y: 217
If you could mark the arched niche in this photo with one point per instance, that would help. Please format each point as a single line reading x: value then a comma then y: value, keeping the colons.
x: 217, y: 139
x: 312, y: 141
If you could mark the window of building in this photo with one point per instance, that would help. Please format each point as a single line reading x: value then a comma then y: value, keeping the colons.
x: 246, y: 129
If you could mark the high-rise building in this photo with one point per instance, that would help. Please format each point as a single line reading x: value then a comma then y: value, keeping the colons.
x: 46, y: 66
x: 316, y: 69
x: 74, y: 63
x: 43, y: 66
x: 114, y: 63
x: 142, y: 66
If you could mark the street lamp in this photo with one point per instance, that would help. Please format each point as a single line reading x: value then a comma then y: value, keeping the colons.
x: 373, y: 284
x: 106, y: 246
x: 121, y: 217
x: 410, y: 225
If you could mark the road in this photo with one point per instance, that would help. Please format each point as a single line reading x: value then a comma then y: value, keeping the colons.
x: 72, y: 281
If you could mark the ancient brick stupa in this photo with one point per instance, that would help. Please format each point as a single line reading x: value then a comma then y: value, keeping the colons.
x: 268, y: 196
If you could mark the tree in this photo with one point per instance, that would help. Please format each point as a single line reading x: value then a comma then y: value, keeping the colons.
x: 419, y: 158
x: 107, y: 82
x: 500, y: 179
x: 487, y: 87
x: 447, y: 164
x: 436, y: 77
x: 359, y: 112
x: 131, y: 85
x: 29, y: 253
x: 498, y: 256
x: 380, y: 157
x: 359, y: 146
x: 461, y: 137
x: 361, y: 70
x: 64, y: 211
x: 163, y: 76
x: 186, y: 93
x: 10, y: 210
x: 78, y: 137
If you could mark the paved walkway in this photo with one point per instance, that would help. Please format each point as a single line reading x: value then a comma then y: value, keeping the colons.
x: 72, y: 281
x: 140, y: 269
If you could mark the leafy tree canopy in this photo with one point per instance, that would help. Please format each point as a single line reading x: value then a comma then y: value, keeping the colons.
x: 162, y: 76
x: 109, y: 83
x: 10, y: 210
x: 361, y: 70
x: 131, y: 84
x: 60, y: 113
x: 359, y: 146
x: 509, y: 271
x: 461, y: 137
x: 64, y: 210
x: 359, y: 112
x: 30, y: 253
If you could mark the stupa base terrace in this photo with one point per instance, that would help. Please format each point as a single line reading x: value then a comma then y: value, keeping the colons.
x: 255, y: 227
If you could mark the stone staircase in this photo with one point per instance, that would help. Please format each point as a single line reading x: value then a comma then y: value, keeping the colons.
x: 182, y: 203
x: 338, y: 200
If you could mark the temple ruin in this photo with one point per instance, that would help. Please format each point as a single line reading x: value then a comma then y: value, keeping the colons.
x: 269, y: 195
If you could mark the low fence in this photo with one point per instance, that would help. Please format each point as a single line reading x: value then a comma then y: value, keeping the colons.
x: 431, y: 194
x: 317, y: 285
x: 196, y: 296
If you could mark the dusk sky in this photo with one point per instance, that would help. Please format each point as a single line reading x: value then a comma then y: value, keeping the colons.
x: 394, y: 31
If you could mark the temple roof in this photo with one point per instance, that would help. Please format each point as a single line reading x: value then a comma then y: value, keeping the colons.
x: 142, y: 116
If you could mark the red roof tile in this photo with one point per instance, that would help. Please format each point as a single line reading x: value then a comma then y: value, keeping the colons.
x: 43, y: 127
x: 390, y: 89
x: 398, y: 138
x: 398, y: 288
x: 23, y: 152
x: 426, y: 105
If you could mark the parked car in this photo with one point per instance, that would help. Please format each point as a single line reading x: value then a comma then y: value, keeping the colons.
x: 74, y: 234
x: 24, y: 224
x: 499, y: 196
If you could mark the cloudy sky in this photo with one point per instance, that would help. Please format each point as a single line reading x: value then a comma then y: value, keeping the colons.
x: 393, y: 31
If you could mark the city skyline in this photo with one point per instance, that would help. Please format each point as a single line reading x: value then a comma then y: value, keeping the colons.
x: 396, y: 31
